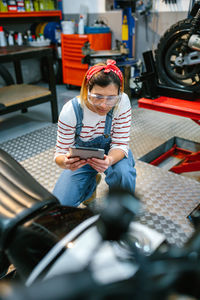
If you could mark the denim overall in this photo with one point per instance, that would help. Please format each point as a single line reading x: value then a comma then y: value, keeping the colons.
x: 74, y: 187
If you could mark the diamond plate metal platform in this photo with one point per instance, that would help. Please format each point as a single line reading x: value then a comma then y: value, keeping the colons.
x: 167, y: 198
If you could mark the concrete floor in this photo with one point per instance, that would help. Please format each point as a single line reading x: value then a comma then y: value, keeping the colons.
x: 15, y: 124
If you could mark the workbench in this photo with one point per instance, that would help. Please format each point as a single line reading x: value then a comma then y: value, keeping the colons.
x: 20, y: 96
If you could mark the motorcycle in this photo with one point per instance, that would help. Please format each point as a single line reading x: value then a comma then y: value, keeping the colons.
x: 177, y: 56
x: 31, y: 219
x: 62, y: 252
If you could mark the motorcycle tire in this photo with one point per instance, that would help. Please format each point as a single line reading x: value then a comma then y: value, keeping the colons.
x: 168, y: 50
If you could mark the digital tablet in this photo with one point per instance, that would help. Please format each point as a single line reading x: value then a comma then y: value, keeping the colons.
x: 86, y: 152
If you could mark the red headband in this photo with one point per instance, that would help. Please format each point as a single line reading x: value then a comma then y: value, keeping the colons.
x: 110, y: 66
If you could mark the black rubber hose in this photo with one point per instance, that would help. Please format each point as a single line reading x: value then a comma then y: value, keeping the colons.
x: 5, y: 74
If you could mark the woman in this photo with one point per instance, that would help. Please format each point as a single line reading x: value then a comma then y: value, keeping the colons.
x: 101, y: 118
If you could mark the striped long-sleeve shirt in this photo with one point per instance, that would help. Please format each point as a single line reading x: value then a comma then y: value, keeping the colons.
x: 93, y: 126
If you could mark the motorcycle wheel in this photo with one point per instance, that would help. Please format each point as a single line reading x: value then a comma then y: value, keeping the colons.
x: 168, y: 50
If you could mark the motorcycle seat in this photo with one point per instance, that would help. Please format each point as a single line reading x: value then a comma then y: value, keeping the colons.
x: 21, y: 197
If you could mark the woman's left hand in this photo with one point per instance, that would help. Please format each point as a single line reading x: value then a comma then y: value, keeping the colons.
x: 100, y: 165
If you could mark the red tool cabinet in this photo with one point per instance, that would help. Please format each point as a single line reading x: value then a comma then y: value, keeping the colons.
x: 71, y: 44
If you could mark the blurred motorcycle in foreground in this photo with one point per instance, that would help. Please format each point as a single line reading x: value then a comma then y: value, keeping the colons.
x: 105, y: 255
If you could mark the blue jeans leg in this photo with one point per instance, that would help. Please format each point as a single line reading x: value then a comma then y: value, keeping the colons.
x: 122, y: 174
x: 73, y: 187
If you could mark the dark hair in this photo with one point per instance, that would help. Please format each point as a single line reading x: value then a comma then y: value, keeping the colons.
x: 104, y: 79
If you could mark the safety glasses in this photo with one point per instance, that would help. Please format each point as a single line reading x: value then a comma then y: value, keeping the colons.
x: 99, y: 99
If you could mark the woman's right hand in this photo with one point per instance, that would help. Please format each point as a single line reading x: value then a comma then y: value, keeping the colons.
x: 65, y: 162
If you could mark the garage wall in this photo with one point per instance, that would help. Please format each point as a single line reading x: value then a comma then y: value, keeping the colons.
x: 148, y: 29
x: 94, y: 6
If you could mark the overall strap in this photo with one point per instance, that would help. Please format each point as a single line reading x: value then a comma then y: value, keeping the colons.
x: 108, y: 123
x: 79, y: 115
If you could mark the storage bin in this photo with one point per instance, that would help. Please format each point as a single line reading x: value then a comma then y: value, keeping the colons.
x: 73, y: 69
x: 96, y: 29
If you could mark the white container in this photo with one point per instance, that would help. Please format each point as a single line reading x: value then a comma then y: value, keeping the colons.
x: 3, y: 41
x: 19, y: 39
x: 81, y: 25
x: 39, y: 43
x: 11, y: 39
x: 68, y: 27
